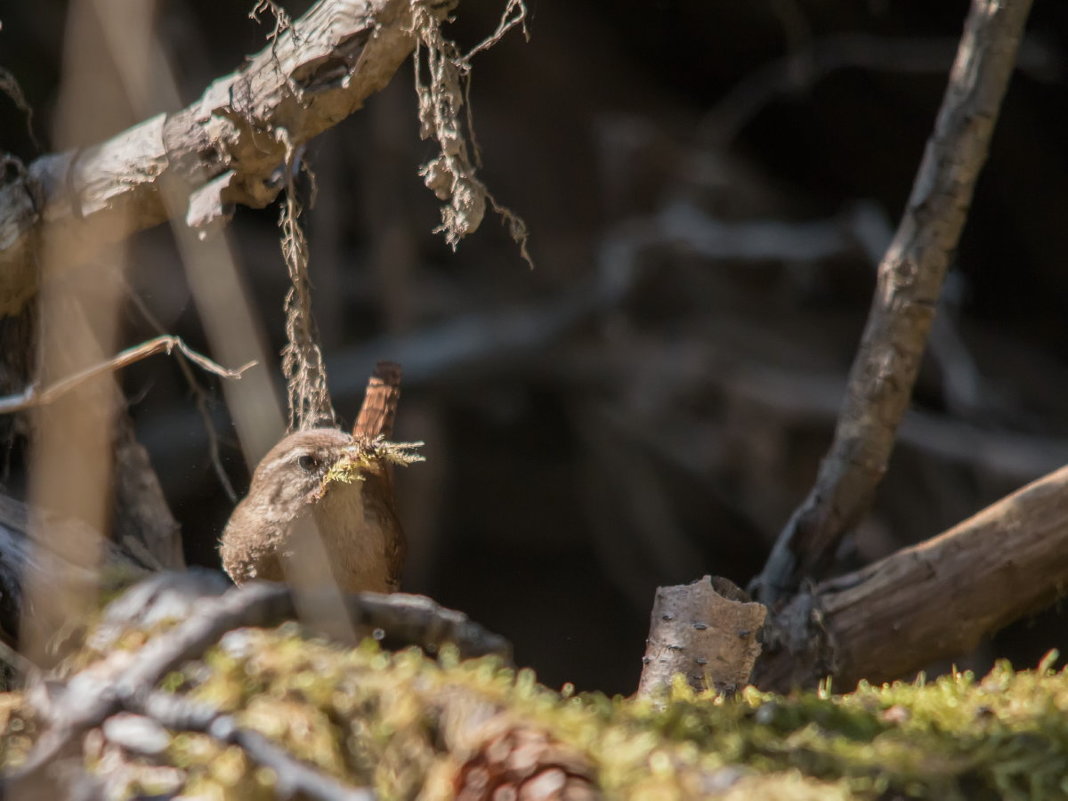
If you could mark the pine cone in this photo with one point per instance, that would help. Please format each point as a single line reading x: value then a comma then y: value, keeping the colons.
x: 523, y: 764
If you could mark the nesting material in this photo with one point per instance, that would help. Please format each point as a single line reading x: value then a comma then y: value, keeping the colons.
x: 370, y: 455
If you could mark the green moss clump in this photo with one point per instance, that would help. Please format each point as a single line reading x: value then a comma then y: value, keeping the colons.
x: 408, y: 725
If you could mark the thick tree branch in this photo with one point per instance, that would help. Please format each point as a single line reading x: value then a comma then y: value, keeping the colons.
x: 932, y: 601
x: 223, y: 149
x: 909, y: 283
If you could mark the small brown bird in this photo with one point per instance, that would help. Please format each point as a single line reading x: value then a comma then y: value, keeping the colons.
x: 341, y: 483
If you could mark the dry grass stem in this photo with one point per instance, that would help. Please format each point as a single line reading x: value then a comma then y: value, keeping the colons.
x: 34, y: 396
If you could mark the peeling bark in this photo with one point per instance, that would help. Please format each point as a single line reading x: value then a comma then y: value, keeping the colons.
x: 223, y: 149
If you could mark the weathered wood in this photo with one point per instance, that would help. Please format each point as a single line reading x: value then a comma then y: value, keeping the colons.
x: 141, y: 514
x: 932, y: 601
x: 705, y: 631
x: 223, y: 149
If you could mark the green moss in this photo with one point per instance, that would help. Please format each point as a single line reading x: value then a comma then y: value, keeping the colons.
x: 405, y: 724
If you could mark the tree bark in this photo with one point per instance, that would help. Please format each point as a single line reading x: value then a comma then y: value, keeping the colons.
x: 932, y: 601
x: 223, y: 149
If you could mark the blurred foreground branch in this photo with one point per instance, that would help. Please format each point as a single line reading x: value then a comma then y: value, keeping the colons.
x: 23, y: 562
x: 90, y: 698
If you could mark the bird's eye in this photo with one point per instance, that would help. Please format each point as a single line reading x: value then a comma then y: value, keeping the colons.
x: 308, y: 462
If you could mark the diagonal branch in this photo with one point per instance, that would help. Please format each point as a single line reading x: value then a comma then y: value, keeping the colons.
x: 909, y: 283
x: 166, y: 343
x: 223, y: 149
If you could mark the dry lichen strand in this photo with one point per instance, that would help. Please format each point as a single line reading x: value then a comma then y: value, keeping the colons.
x: 452, y: 174
x: 366, y: 716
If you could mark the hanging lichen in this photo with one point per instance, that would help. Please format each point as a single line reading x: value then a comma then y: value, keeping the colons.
x: 442, y: 81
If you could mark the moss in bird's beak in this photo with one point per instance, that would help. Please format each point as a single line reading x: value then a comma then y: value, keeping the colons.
x: 370, y: 454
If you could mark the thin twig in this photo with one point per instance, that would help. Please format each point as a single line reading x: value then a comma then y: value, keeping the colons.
x: 801, y: 69
x: 201, y: 398
x: 507, y: 22
x: 34, y: 396
x: 9, y: 85
x: 909, y: 283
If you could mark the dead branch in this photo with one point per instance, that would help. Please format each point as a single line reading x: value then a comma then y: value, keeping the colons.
x: 203, y: 401
x: 224, y: 149
x: 141, y: 517
x: 33, y: 396
x: 932, y: 601
x: 799, y: 70
x: 909, y: 283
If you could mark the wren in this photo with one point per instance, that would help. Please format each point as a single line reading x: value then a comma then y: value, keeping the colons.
x: 340, y: 483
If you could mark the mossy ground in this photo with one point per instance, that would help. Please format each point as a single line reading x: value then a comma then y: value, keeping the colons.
x: 404, y: 724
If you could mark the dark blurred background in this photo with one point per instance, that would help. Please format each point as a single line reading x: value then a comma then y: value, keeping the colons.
x: 708, y: 186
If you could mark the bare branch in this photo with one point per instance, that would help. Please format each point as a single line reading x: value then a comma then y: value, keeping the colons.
x: 201, y: 396
x: 9, y: 86
x: 909, y: 283
x: 800, y: 70
x: 33, y: 396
